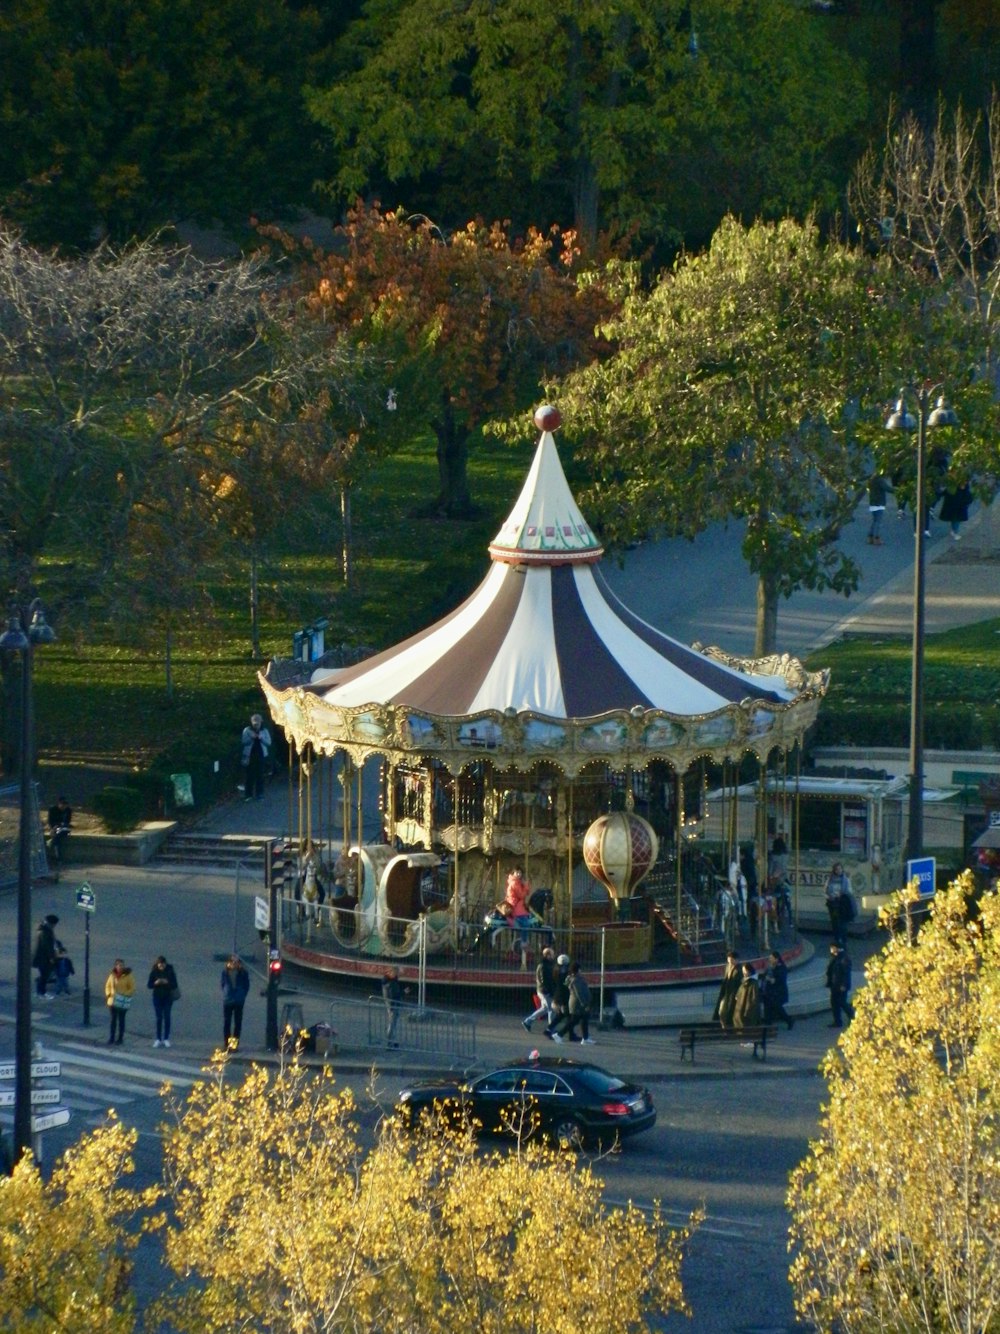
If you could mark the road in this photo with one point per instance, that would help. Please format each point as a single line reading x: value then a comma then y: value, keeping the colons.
x: 702, y: 589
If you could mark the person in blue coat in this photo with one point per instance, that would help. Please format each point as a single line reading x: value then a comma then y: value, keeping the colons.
x: 235, y: 989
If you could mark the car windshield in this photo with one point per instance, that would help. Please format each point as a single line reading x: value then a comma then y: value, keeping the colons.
x: 598, y: 1080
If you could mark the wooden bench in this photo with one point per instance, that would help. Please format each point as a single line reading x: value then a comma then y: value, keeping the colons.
x: 758, y: 1034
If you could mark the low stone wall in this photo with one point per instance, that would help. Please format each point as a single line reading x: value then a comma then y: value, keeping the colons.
x: 89, y: 848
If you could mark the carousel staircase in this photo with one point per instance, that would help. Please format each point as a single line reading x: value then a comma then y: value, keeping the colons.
x: 699, y: 939
x: 213, y: 851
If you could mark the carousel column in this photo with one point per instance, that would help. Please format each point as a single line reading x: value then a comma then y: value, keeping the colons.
x: 678, y: 839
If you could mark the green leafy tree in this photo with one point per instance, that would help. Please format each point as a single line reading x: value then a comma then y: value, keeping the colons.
x: 896, y: 1207
x: 116, y: 119
x: 601, y: 117
x: 733, y: 393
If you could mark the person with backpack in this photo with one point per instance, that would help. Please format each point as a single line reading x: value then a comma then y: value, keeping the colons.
x: 840, y: 903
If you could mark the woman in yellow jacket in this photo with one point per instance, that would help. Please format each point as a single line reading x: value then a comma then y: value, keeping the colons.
x: 118, y: 992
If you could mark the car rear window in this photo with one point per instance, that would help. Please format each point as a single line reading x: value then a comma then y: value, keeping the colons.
x: 597, y: 1080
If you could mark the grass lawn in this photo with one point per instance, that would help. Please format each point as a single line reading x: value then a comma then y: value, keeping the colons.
x: 869, y: 696
x: 100, y: 699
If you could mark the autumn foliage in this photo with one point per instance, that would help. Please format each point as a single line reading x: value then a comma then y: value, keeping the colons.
x: 896, y: 1209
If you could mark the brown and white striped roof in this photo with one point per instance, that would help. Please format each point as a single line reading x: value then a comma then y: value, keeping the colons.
x: 543, y: 633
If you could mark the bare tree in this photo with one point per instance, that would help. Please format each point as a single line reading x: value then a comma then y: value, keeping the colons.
x: 931, y: 198
x: 106, y: 361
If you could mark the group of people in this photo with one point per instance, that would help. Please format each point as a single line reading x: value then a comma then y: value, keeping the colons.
x: 51, y: 960
x: 562, y: 998
x: 955, y: 496
x: 747, y: 999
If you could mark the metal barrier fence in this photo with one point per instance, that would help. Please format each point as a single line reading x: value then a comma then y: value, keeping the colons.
x: 10, y: 829
x: 369, y: 1023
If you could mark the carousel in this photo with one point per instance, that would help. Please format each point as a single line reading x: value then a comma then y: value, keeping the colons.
x: 542, y: 757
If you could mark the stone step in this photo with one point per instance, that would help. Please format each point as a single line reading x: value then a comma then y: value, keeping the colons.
x: 228, y: 850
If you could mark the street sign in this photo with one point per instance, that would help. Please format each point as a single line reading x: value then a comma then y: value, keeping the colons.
x: 85, y: 898
x: 39, y: 1097
x: 922, y: 869
x: 39, y: 1070
x: 261, y: 913
x: 49, y: 1120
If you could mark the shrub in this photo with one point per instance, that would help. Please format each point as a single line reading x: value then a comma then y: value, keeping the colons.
x: 121, y: 808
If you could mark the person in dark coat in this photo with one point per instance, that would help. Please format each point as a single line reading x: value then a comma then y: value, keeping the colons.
x: 163, y: 984
x: 955, y: 508
x: 728, y: 988
x: 774, y: 990
x: 392, y: 995
x: 44, y: 957
x: 545, y: 986
x: 560, y: 996
x: 746, y: 1008
x: 577, y: 1011
x: 838, y: 980
x: 235, y: 984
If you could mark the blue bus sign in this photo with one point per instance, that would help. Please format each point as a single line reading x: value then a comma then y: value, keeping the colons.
x: 922, y: 869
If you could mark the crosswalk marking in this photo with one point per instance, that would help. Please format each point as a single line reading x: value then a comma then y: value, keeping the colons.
x: 92, y: 1079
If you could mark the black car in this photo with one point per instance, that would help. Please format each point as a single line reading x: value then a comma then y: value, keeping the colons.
x: 571, y: 1102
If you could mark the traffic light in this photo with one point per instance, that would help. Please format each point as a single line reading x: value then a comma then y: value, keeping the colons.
x: 274, y: 967
x: 276, y: 865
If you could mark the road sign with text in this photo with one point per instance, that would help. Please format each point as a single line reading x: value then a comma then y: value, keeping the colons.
x: 39, y: 1070
x: 923, y: 871
x: 39, y: 1097
x: 49, y: 1120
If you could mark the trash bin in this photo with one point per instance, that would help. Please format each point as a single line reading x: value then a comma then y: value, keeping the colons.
x: 183, y: 793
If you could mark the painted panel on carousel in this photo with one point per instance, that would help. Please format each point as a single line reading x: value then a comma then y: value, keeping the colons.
x: 422, y: 734
x: 761, y: 722
x: 368, y: 726
x: 541, y: 735
x: 483, y: 734
x: 661, y: 733
x: 609, y: 735
x: 713, y: 731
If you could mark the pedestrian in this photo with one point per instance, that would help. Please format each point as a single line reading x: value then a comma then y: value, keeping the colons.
x: 545, y: 985
x: 746, y: 1007
x: 879, y: 487
x: 560, y: 996
x: 44, y: 957
x: 60, y: 821
x: 729, y: 986
x: 163, y: 984
x: 839, y: 902
x: 118, y: 992
x: 774, y: 990
x: 64, y: 970
x: 577, y: 1011
x: 955, y: 507
x: 838, y: 980
x: 392, y: 995
x: 255, y: 746
x: 235, y: 984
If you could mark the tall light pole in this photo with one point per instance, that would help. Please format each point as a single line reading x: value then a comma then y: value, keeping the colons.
x: 23, y: 633
x: 900, y: 419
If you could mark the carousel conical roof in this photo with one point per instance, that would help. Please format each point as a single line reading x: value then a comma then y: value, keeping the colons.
x: 544, y: 633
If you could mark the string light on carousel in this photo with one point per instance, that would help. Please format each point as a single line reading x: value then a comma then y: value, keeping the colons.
x: 542, y: 728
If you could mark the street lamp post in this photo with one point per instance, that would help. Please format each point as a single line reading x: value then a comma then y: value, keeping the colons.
x: 23, y: 633
x: 901, y: 419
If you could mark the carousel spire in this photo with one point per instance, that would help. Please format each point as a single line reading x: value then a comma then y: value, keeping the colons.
x: 545, y: 527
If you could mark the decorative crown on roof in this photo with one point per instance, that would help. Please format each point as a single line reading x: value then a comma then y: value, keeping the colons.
x: 545, y: 527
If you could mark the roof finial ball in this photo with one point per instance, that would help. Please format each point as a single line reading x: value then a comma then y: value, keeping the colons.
x: 548, y: 418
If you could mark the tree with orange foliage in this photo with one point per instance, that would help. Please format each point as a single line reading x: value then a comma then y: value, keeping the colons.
x: 480, y: 319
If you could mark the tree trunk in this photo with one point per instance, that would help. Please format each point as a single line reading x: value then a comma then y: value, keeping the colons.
x: 453, y: 498
x: 168, y: 663
x: 766, y: 639
x: 254, y: 605
x: 345, y: 540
